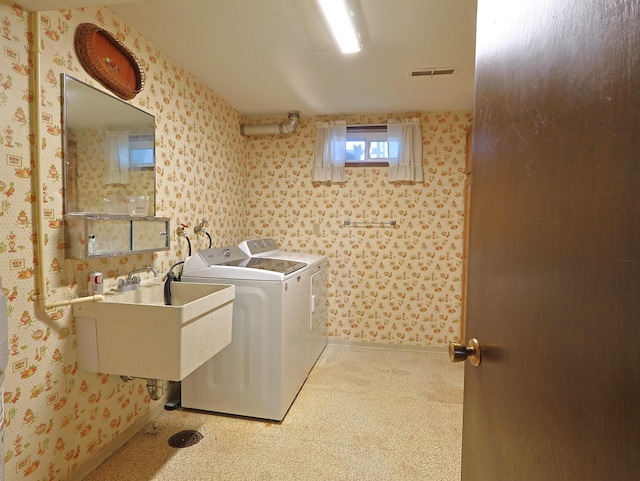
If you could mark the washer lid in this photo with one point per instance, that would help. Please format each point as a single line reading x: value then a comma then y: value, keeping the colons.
x: 232, y: 263
x: 283, y: 266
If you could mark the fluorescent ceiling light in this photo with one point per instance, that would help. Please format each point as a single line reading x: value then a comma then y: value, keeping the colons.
x: 340, y: 21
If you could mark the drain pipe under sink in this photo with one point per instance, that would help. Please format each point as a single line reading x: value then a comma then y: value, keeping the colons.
x: 155, y: 387
x: 271, y: 129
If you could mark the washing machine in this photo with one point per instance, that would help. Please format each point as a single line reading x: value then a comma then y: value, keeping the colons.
x: 277, y: 332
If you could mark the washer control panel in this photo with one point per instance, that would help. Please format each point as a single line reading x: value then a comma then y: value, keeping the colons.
x: 255, y: 247
x: 222, y: 255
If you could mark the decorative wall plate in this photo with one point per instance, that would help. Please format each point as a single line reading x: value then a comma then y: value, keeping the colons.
x: 109, y: 61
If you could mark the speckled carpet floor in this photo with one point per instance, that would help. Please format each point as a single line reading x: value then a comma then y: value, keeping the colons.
x: 363, y: 414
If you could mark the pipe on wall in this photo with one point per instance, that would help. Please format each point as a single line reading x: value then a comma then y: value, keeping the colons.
x: 39, y: 221
x: 272, y: 129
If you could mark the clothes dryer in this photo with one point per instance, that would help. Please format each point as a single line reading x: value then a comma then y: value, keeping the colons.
x: 318, y: 315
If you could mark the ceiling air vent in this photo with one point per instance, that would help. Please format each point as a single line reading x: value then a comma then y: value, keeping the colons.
x: 432, y: 72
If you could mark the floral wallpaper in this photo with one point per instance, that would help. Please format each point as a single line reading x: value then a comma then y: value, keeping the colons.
x: 397, y: 285
x: 58, y: 416
x: 389, y: 286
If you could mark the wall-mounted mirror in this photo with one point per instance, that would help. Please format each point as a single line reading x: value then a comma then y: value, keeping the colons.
x: 109, y: 153
x: 109, y: 176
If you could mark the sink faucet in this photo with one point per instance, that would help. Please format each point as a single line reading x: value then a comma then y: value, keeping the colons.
x: 133, y: 279
x: 131, y: 274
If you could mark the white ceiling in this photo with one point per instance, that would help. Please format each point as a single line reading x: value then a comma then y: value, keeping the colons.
x: 274, y: 56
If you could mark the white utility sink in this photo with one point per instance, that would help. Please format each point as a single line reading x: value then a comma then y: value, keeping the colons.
x: 134, y: 334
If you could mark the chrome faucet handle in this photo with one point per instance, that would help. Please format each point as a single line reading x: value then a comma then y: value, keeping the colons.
x: 125, y: 285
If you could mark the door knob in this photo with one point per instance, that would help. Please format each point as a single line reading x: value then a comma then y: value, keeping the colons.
x: 459, y: 352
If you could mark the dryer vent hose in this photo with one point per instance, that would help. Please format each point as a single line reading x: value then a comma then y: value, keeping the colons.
x: 272, y: 129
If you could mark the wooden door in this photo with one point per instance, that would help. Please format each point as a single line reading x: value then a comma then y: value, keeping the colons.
x: 554, y: 266
x: 465, y: 250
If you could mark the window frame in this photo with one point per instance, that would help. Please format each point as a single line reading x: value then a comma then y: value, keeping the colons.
x: 373, y: 130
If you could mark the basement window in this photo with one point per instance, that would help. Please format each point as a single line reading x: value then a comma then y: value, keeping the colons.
x: 141, y: 152
x: 367, y: 146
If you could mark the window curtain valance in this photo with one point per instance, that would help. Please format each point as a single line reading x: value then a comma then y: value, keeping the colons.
x: 330, y: 152
x: 405, y: 150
